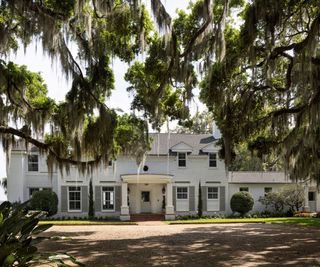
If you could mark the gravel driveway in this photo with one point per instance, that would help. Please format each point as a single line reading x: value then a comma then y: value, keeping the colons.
x: 189, y: 245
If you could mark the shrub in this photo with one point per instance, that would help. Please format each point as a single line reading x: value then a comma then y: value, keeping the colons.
x: 200, y: 201
x: 91, y: 202
x: 241, y: 202
x: 274, y: 200
x: 293, y: 197
x: 45, y: 200
x: 18, y: 238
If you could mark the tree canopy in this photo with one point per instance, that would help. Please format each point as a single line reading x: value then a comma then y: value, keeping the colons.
x: 256, y: 63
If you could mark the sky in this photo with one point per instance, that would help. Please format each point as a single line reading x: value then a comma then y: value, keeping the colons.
x: 36, y: 61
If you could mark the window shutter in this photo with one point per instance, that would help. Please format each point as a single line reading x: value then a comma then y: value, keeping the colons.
x: 222, y: 198
x: 204, y: 192
x: 117, y: 191
x: 191, y: 199
x: 97, y: 202
x: 64, y: 199
x: 174, y: 195
x: 84, y: 199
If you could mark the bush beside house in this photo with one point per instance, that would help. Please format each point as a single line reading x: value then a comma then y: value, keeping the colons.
x: 241, y: 202
x: 45, y: 200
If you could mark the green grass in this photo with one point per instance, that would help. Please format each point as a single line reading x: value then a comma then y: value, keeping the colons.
x: 285, y: 220
x: 85, y: 222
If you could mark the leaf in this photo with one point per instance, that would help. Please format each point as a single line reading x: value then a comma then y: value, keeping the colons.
x: 41, y: 228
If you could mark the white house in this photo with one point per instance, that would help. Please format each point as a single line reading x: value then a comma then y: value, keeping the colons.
x: 167, y: 182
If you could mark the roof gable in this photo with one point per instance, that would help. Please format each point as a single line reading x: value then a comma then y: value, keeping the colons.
x: 181, y: 147
x: 212, y: 147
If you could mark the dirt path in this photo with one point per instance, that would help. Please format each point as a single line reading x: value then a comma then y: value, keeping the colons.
x: 189, y: 245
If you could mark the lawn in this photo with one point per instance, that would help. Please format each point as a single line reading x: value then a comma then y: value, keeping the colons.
x: 285, y: 220
x: 85, y: 222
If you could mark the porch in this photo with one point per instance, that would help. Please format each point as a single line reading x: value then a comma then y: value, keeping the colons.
x: 146, y: 194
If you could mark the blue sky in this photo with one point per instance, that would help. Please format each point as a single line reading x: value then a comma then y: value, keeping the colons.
x: 36, y: 61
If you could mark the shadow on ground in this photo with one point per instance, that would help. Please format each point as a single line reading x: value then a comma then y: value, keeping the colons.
x: 177, y: 245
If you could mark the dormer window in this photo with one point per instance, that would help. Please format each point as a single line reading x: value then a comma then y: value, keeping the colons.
x: 182, y: 159
x: 33, y: 163
x: 212, y: 160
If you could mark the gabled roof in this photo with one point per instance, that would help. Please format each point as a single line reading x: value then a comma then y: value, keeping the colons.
x: 163, y: 142
x: 181, y: 147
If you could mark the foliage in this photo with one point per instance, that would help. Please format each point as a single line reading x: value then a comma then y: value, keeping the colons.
x: 199, y: 201
x: 91, y: 202
x: 200, y: 123
x: 274, y: 200
x: 44, y: 200
x: 241, y: 202
x: 18, y: 229
x: 293, y: 197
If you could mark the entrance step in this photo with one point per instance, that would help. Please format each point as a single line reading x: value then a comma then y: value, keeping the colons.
x: 146, y: 217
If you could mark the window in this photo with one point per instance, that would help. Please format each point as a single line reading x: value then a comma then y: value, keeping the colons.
x: 312, y: 196
x: 108, y: 198
x: 33, y: 190
x: 267, y: 190
x: 182, y: 159
x: 182, y: 192
x: 33, y: 163
x: 213, y: 193
x: 212, y: 160
x: 110, y: 162
x: 244, y: 189
x: 75, y: 198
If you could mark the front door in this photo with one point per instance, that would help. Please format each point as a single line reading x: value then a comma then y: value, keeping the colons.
x: 145, y: 202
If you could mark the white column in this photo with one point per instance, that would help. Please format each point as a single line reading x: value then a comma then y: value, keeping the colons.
x: 124, y: 214
x: 306, y: 198
x: 169, y: 205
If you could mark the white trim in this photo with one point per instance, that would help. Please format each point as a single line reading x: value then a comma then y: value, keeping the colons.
x: 114, y: 199
x: 38, y: 163
x: 182, y: 199
x: 213, y: 199
x: 80, y: 210
x: 182, y: 167
x: 216, y: 159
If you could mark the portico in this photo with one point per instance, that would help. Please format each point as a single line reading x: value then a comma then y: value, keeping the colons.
x: 146, y: 193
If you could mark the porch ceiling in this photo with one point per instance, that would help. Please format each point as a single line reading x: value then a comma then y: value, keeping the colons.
x: 146, y: 178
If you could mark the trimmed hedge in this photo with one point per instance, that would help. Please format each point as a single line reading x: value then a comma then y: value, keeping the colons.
x: 241, y: 202
x: 45, y: 200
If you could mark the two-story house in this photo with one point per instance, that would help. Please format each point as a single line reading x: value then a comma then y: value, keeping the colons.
x: 167, y: 181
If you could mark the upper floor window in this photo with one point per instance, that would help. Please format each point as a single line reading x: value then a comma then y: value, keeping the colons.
x: 213, y: 193
x: 244, y: 189
x: 110, y: 162
x: 75, y: 198
x: 108, y: 198
x: 33, y: 163
x: 212, y: 160
x: 182, y: 192
x: 182, y: 159
x: 267, y: 190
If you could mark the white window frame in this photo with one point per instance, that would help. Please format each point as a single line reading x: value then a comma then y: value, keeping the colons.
x: 216, y: 160
x: 110, y: 165
x: 74, y: 210
x: 218, y: 193
x: 102, y: 198
x: 177, y: 193
x: 33, y: 163
x: 314, y: 196
x: 37, y: 189
x: 241, y: 187
x: 178, y: 160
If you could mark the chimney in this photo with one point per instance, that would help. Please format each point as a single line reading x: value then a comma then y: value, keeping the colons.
x: 215, y: 131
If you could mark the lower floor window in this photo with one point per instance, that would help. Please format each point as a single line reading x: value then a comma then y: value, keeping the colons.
x: 213, y: 193
x: 312, y: 196
x: 108, y: 198
x: 182, y: 193
x: 74, y: 198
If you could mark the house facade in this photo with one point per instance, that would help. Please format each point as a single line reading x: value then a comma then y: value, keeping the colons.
x: 166, y: 182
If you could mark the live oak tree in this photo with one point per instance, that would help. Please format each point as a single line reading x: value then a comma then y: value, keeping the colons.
x: 259, y: 80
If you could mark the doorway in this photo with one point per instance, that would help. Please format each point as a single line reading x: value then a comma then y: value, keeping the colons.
x: 145, y: 202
